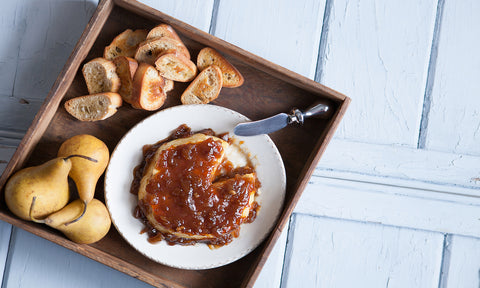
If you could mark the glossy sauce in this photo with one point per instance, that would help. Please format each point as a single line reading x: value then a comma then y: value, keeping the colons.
x: 189, y: 196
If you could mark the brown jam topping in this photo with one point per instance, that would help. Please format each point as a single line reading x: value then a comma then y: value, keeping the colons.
x: 190, y: 195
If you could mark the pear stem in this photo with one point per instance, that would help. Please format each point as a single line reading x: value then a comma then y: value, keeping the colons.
x: 81, y: 156
x: 79, y: 217
x: 31, y: 209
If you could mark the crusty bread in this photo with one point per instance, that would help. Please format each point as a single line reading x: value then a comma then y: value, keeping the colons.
x: 168, y: 85
x: 205, y: 87
x: 100, y: 76
x: 176, y: 67
x: 126, y: 68
x: 125, y: 44
x: 147, y: 89
x: 94, y: 107
x: 149, y: 50
x: 163, y: 30
x: 231, y: 76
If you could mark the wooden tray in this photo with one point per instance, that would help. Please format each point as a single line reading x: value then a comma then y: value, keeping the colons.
x: 268, y: 89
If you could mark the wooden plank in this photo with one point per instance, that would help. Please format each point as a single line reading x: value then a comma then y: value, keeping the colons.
x: 45, y: 43
x: 391, y: 205
x: 463, y: 264
x: 352, y: 254
x: 378, y: 52
x: 12, y: 28
x: 271, y: 273
x: 343, y: 157
x: 36, y: 262
x: 454, y: 118
x: 16, y: 114
x: 6, y: 153
x: 39, y: 47
x: 284, y: 32
x: 197, y: 13
x: 5, y: 230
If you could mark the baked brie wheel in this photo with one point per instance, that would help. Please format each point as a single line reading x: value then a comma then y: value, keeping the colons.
x: 187, y: 195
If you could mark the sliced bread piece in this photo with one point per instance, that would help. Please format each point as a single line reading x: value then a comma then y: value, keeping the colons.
x: 176, y: 67
x: 231, y: 76
x: 205, y: 87
x: 147, y: 89
x: 94, y: 107
x: 100, y: 76
x: 151, y: 49
x: 168, y: 85
x: 126, y: 68
x: 163, y: 30
x: 125, y: 44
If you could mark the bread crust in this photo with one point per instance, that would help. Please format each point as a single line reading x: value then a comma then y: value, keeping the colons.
x: 125, y: 44
x: 205, y: 87
x: 231, y: 76
x: 94, y: 107
x: 100, y: 76
x: 149, y: 50
x: 163, y: 30
x: 125, y: 68
x: 176, y: 67
x: 148, y: 88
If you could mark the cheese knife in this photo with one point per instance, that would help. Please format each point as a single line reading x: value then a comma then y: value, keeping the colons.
x: 321, y: 109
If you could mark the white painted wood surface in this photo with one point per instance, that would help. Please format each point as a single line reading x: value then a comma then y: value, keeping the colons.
x: 46, y: 264
x: 392, y: 205
x: 343, y: 158
x: 42, y: 35
x: 284, y: 32
x: 386, y: 193
x: 354, y: 254
x: 271, y: 274
x: 379, y: 56
x: 5, y: 230
x: 454, y: 120
x: 462, y: 264
x: 196, y: 13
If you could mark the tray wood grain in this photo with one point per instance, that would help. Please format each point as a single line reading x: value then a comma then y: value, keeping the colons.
x: 268, y: 89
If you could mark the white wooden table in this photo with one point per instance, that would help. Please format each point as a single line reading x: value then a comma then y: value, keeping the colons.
x: 394, y: 201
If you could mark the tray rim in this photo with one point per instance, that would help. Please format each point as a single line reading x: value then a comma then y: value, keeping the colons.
x: 63, y: 82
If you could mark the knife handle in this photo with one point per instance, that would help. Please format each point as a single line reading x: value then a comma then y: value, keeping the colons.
x: 321, y: 109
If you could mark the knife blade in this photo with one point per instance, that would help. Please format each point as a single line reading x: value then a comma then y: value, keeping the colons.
x: 320, y: 109
x: 265, y: 126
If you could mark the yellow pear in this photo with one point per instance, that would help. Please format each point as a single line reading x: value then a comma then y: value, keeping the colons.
x: 86, y: 172
x: 90, y: 228
x: 48, y: 183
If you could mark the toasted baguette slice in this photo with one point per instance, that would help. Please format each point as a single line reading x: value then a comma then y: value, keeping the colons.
x: 168, y: 85
x: 231, y: 76
x: 147, y: 89
x: 126, y: 68
x: 163, y: 30
x: 94, y: 107
x: 151, y: 49
x: 176, y: 67
x: 125, y: 44
x: 100, y: 76
x: 205, y: 87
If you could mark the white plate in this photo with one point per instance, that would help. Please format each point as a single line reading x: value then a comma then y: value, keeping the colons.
x: 128, y: 154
